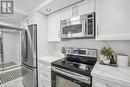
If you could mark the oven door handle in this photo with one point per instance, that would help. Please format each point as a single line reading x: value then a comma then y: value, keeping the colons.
x: 74, y: 75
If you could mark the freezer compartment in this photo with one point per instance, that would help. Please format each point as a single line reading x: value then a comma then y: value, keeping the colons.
x: 29, y: 76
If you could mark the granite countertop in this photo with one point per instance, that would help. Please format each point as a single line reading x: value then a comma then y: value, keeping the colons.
x: 114, y: 74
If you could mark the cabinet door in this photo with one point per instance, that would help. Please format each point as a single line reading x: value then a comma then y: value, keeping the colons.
x: 66, y: 13
x: 81, y: 8
x: 86, y: 7
x: 103, y: 82
x: 32, y: 19
x: 25, y: 23
x: 113, y: 19
x: 70, y: 12
x: 53, y: 27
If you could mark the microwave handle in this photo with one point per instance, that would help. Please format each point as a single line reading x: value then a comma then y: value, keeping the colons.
x: 98, y: 30
x: 84, y: 27
x: 73, y: 11
x: 59, y: 34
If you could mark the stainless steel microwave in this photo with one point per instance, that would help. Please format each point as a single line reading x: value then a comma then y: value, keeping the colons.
x: 79, y: 27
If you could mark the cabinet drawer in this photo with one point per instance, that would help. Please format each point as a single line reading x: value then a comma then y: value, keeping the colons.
x: 44, y: 68
x: 44, y: 83
x: 44, y: 65
x: 98, y: 82
x: 45, y: 73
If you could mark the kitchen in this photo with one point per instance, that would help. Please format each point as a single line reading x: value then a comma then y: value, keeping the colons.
x: 71, y: 40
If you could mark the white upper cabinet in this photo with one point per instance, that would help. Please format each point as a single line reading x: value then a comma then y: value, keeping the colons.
x: 66, y: 13
x: 113, y: 19
x: 40, y: 20
x: 32, y: 19
x: 81, y: 8
x: 24, y: 23
x: 53, y: 27
x: 85, y: 7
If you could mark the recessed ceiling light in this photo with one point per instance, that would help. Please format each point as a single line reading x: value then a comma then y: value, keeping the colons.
x: 48, y: 10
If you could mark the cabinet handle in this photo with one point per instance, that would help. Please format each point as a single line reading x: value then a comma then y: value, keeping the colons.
x: 73, y: 11
x: 108, y: 85
x: 97, y: 30
x: 59, y: 34
x: 77, y: 9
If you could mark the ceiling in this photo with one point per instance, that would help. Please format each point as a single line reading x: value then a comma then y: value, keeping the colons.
x: 14, y: 20
x: 24, y: 7
x: 57, y: 5
x: 27, y: 5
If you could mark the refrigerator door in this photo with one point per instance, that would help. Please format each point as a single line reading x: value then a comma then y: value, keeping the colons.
x: 30, y: 50
x: 23, y: 45
x: 29, y: 76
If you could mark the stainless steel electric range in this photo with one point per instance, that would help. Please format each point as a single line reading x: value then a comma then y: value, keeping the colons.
x: 75, y: 69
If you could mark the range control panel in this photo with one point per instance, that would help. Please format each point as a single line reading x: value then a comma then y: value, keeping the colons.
x: 82, y: 52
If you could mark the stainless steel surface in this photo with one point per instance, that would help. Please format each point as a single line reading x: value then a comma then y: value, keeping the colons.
x: 1, y: 48
x: 73, y: 75
x: 29, y: 56
x: 29, y: 46
x: 73, y: 26
x: 10, y: 27
x: 87, y: 25
x: 78, y: 27
x: 82, y: 52
x: 29, y: 76
x: 23, y: 45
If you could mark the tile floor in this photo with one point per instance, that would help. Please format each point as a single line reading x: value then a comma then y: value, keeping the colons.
x: 13, y: 83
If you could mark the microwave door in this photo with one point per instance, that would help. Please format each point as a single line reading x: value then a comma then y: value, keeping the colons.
x: 74, y: 30
x: 90, y: 26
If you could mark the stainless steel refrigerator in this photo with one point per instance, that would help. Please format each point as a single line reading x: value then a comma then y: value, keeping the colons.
x: 29, y: 56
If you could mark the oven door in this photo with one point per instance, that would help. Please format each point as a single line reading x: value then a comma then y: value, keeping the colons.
x: 73, y: 28
x: 64, y: 78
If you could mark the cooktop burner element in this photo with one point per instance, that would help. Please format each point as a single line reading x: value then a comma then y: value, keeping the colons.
x: 78, y: 60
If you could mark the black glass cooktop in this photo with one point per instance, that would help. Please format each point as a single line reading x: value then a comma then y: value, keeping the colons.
x: 79, y: 65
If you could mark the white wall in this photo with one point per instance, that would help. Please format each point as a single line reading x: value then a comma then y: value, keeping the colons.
x: 118, y: 46
x: 11, y: 46
x: 9, y: 24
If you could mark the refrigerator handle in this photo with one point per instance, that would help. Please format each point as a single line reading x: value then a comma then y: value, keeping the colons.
x: 24, y: 45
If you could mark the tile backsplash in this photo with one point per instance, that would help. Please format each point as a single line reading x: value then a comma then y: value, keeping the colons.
x: 120, y: 47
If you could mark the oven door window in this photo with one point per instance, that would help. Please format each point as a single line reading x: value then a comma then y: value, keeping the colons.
x: 60, y: 80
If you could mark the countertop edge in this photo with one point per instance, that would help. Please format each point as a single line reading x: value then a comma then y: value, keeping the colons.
x: 99, y: 74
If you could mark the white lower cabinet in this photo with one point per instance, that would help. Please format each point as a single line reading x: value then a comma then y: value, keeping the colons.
x: 44, y: 75
x: 99, y: 82
x: 44, y: 83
